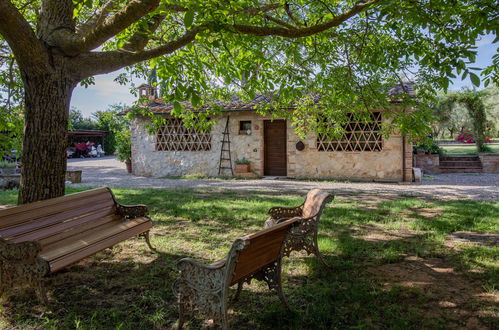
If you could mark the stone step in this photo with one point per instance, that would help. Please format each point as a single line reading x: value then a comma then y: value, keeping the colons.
x: 469, y: 163
x: 461, y: 169
x: 458, y: 158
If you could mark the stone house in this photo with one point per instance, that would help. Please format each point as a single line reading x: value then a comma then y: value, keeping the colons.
x: 271, y: 146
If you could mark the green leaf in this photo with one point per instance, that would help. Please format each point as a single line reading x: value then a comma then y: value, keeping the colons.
x: 177, y: 107
x: 188, y: 18
x: 195, y: 99
x: 475, y: 79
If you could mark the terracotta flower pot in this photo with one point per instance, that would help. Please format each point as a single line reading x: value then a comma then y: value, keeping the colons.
x: 128, y: 164
x: 242, y: 168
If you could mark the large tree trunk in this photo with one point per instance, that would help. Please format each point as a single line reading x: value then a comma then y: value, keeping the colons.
x: 43, y: 169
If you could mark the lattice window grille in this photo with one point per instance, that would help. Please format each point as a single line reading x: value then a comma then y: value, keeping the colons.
x: 358, y: 136
x: 174, y: 136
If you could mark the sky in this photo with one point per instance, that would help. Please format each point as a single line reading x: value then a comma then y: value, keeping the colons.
x: 106, y: 91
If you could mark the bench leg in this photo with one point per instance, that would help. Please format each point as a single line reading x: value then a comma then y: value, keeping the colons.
x: 148, y: 241
x: 42, y: 293
x: 181, y: 316
x: 223, y: 320
x: 271, y: 274
x: 239, y: 289
x: 318, y: 253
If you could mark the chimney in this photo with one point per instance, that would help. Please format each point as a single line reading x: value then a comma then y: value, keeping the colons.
x: 147, y: 92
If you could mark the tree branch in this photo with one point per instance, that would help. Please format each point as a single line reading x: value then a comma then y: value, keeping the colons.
x: 28, y: 50
x: 73, y: 44
x: 117, y: 23
x: 175, y: 7
x: 278, y: 21
x: 303, y: 32
x: 109, y: 6
x: 139, y: 40
x: 94, y: 63
x: 290, y: 14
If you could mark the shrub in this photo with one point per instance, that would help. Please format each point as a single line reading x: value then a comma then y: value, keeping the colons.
x: 242, y: 161
x: 430, y: 147
x: 467, y: 136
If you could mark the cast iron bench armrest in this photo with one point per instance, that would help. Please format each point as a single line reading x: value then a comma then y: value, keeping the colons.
x: 132, y: 211
x: 18, y: 251
x: 278, y: 212
x: 192, y: 262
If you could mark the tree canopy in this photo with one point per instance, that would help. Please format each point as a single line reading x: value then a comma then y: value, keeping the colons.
x: 350, y: 52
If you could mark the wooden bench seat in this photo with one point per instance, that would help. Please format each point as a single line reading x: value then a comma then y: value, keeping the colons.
x: 204, y: 288
x: 43, y: 237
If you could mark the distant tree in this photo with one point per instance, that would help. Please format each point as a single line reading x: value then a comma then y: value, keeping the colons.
x: 491, y: 101
x: 450, y: 117
x: 113, y: 123
x: 11, y: 129
x: 473, y: 102
x: 11, y: 103
x: 77, y: 121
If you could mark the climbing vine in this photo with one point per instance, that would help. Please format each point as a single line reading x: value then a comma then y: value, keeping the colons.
x: 472, y: 100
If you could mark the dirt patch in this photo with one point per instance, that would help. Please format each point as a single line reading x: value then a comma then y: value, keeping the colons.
x: 375, y: 233
x: 491, y: 239
x: 445, y: 294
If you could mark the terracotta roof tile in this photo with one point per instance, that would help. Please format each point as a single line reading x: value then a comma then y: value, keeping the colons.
x: 158, y: 106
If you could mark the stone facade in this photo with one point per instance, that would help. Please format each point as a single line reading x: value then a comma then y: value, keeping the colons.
x: 385, y: 165
x: 9, y: 181
x: 429, y: 163
x: 490, y: 162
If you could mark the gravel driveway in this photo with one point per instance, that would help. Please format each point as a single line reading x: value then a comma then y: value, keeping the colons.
x: 107, y: 171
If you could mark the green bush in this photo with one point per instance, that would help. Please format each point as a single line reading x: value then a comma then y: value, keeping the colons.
x: 6, y: 163
x: 124, y: 146
x: 430, y: 147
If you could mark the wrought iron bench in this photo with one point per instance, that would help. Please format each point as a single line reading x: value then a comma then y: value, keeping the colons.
x: 41, y: 238
x: 304, y: 236
x: 204, y: 288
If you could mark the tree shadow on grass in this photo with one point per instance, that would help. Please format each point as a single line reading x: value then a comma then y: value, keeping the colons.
x: 365, y: 290
x: 107, y: 291
x: 132, y: 288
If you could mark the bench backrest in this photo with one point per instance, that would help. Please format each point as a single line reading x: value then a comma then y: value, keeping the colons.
x: 35, y: 221
x: 252, y: 252
x: 315, y: 202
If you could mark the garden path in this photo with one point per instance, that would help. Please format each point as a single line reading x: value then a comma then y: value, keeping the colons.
x: 107, y: 171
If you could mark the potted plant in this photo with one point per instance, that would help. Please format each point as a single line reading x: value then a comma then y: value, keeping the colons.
x: 242, y: 165
x: 124, y: 149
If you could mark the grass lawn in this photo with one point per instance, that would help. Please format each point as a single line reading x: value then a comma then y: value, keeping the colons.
x: 452, y: 150
x: 394, y: 266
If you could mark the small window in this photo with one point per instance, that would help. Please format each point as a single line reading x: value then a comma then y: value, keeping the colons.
x: 245, y: 127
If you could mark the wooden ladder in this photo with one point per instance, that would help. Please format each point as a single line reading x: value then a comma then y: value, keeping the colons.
x: 225, y: 152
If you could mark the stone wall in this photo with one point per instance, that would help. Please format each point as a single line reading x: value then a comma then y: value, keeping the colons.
x: 9, y: 181
x: 385, y: 165
x: 490, y: 162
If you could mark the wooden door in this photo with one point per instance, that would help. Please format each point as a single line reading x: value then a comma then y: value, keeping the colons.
x: 275, y: 148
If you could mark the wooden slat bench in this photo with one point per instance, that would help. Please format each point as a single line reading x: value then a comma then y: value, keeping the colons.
x: 41, y: 238
x: 204, y: 288
x: 304, y: 236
